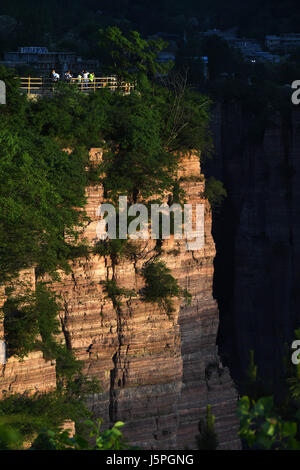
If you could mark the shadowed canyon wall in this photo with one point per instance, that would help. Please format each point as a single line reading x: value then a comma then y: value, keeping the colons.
x: 258, y: 239
x: 158, y: 373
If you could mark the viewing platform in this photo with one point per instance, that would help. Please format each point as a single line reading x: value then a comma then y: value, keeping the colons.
x: 40, y: 86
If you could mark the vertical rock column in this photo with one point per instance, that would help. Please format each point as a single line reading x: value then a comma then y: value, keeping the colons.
x: 157, y: 373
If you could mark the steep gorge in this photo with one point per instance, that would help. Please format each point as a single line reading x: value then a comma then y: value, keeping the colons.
x: 258, y: 240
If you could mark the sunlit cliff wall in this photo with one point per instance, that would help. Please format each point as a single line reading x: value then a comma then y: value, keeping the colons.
x: 158, y: 373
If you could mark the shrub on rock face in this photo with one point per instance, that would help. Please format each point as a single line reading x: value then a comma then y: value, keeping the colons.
x: 215, y: 192
x: 161, y: 286
x: 20, y: 327
x: 29, y: 316
x: 207, y: 439
x: 116, y: 293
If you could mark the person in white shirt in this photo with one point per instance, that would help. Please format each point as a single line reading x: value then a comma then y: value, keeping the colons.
x: 68, y: 76
x: 85, y: 78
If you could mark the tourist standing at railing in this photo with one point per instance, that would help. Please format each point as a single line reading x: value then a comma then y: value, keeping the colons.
x: 68, y: 76
x: 54, y: 76
x: 79, y: 80
x: 85, y: 78
x: 91, y: 78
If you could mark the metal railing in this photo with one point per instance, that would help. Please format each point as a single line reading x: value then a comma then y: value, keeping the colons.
x: 39, y: 86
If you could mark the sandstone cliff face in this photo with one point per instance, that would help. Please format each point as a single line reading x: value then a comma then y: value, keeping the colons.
x: 157, y: 373
x: 258, y: 239
x: 33, y: 373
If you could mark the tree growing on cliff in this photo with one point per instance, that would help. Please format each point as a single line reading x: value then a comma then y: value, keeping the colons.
x: 207, y: 438
x: 130, y: 55
x: 41, y: 187
x: 271, y: 422
x: 136, y: 164
x: 215, y: 193
x: 185, y: 114
x: 161, y: 287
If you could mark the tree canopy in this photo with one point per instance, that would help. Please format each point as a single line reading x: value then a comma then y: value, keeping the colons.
x: 126, y: 56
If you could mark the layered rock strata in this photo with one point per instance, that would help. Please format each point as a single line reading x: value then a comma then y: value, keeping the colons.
x: 158, y: 373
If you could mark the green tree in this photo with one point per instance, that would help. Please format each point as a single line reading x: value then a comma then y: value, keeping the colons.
x: 128, y: 56
x: 215, y: 192
x: 29, y: 415
x: 136, y: 164
x: 263, y: 428
x: 41, y: 187
x: 161, y: 287
x: 207, y: 439
x: 110, y: 439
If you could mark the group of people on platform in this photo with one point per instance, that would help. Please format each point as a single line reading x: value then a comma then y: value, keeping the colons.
x: 83, y: 79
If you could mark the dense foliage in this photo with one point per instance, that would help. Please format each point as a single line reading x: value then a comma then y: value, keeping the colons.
x: 110, y: 439
x: 271, y: 421
x: 44, y: 184
x: 263, y: 428
x: 58, y: 439
x: 127, y: 56
x: 27, y: 316
x: 41, y: 186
